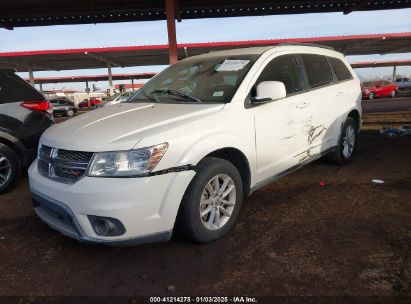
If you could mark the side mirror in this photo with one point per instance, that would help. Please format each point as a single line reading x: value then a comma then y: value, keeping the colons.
x: 269, y: 91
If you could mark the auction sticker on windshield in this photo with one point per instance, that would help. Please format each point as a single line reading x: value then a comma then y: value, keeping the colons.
x: 232, y: 65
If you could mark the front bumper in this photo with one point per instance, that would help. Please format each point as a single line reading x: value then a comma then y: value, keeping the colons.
x: 147, y: 207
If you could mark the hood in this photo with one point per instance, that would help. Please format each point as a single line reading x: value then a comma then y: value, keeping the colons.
x: 122, y: 126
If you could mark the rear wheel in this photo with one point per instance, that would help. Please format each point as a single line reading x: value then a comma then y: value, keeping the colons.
x: 393, y: 93
x: 371, y: 95
x: 212, y: 201
x: 347, y: 143
x: 9, y: 167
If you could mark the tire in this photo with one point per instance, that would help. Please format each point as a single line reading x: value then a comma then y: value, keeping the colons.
x: 371, y: 96
x: 340, y: 155
x: 393, y: 93
x: 69, y: 113
x: 10, y: 168
x: 199, y: 198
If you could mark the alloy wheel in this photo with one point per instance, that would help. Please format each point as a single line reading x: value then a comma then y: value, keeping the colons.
x: 348, y: 141
x: 217, y: 202
x: 5, y: 170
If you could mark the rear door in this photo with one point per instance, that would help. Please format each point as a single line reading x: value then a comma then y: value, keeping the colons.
x: 318, y: 130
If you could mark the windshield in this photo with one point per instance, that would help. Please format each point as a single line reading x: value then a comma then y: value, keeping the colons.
x: 197, y: 80
x: 369, y: 84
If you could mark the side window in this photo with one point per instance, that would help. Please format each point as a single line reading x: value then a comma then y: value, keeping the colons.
x: 317, y: 69
x: 282, y: 69
x: 340, y: 69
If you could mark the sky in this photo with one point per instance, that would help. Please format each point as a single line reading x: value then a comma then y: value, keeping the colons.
x: 207, y: 30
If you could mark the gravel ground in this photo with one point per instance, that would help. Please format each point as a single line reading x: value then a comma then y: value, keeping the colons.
x: 293, y: 237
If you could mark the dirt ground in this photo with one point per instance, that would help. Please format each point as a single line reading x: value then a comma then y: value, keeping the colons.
x: 293, y: 237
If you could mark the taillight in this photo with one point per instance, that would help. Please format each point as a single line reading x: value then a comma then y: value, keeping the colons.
x: 41, y: 106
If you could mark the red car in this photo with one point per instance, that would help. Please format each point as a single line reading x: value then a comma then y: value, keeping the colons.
x: 379, y: 88
x: 89, y: 103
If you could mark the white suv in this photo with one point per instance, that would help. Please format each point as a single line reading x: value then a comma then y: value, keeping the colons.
x: 184, y: 150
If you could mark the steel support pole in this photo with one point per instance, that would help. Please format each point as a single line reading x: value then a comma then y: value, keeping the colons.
x: 132, y: 84
x: 41, y: 87
x: 394, y: 73
x: 171, y: 30
x: 110, y: 78
x: 31, y: 76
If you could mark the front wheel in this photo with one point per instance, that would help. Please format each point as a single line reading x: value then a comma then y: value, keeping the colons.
x: 212, y: 201
x: 347, y: 143
x: 371, y: 95
x: 69, y: 113
x: 393, y: 93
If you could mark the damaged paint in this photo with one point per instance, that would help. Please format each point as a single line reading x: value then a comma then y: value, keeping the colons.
x: 315, y: 132
x: 288, y: 137
x: 306, y: 154
x: 303, y: 105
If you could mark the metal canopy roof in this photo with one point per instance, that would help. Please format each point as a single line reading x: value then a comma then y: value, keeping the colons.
x: 16, y: 13
x: 375, y: 64
x: 84, y: 78
x: 145, y: 55
x: 64, y: 79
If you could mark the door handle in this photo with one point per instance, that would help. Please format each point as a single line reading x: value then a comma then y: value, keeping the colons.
x: 339, y: 94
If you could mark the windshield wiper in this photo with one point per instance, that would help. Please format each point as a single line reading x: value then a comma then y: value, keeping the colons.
x: 148, y: 96
x: 177, y: 93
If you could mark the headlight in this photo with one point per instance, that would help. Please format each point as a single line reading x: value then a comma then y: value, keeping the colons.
x: 127, y: 163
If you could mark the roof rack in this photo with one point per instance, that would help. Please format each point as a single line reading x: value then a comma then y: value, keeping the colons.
x: 306, y: 44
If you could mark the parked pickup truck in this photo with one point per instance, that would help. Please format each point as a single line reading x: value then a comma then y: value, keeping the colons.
x: 403, y: 83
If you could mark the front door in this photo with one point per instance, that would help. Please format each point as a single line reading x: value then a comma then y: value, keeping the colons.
x: 277, y: 139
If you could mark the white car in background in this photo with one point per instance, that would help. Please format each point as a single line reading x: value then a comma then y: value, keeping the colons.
x: 117, y: 98
x: 184, y: 151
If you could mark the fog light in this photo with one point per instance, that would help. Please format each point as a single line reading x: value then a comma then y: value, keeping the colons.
x: 106, y: 226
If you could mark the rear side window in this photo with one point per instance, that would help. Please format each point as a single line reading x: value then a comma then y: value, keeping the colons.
x: 14, y: 89
x: 282, y: 69
x: 340, y: 69
x: 317, y: 69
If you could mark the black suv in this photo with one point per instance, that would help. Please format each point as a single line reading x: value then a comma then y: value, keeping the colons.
x: 24, y: 115
x: 63, y: 106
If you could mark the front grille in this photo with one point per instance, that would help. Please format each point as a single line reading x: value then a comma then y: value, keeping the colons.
x: 45, y: 152
x: 63, y: 165
x: 74, y: 155
x: 69, y: 173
